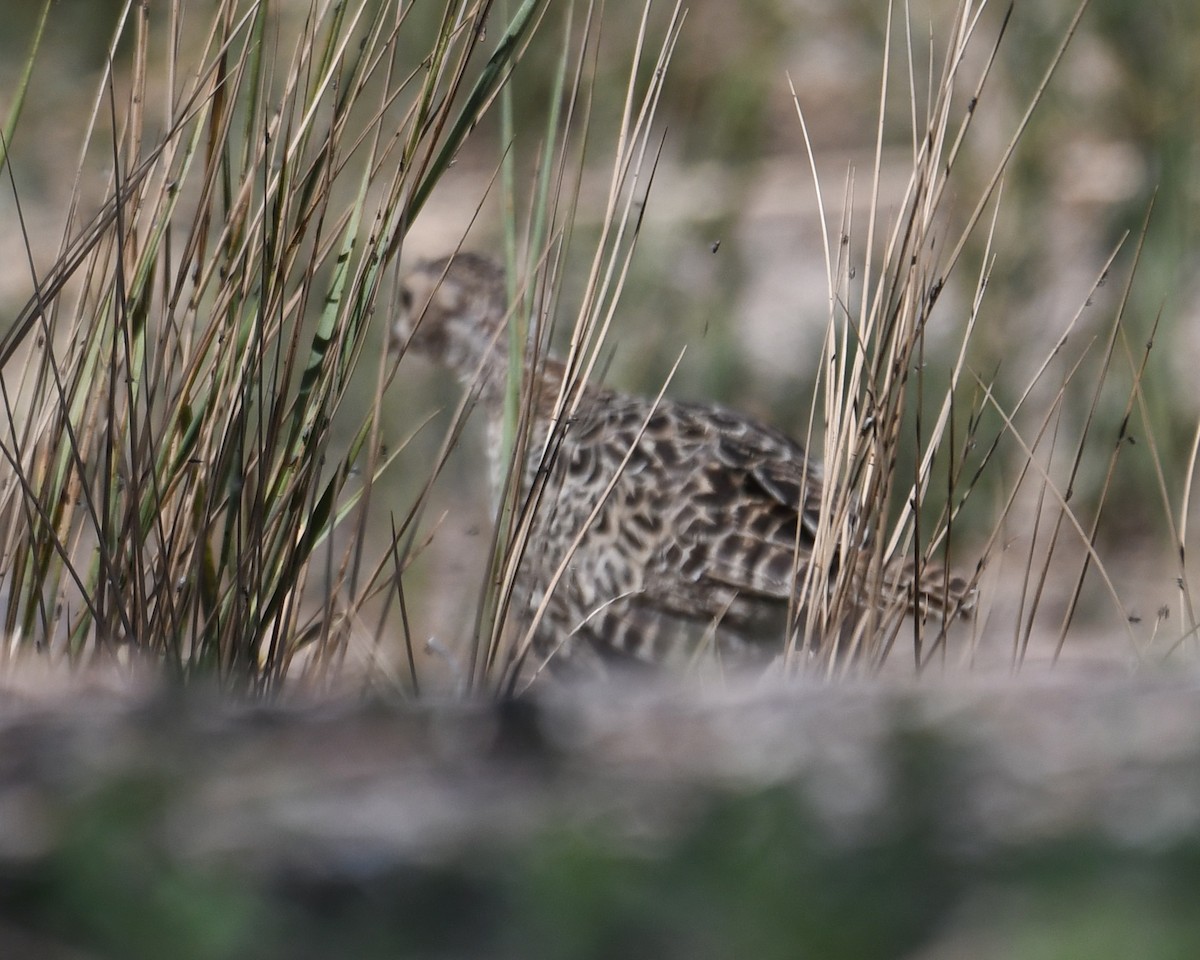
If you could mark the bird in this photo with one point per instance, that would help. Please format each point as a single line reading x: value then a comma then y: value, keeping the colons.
x: 657, y: 528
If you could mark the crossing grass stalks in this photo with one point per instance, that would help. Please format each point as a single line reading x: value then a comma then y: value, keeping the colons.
x: 887, y: 280
x: 874, y: 402
x: 176, y: 492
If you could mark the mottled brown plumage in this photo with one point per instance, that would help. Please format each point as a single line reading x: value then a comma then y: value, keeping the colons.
x: 705, y: 534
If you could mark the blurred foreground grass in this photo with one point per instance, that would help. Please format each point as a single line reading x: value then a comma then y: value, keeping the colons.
x: 1049, y: 819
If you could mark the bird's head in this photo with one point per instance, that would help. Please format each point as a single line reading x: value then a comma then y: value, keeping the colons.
x: 453, y: 310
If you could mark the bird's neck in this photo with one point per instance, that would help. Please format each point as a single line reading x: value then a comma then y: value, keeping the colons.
x: 528, y: 419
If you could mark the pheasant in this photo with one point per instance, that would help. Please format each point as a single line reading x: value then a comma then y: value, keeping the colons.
x: 656, y: 527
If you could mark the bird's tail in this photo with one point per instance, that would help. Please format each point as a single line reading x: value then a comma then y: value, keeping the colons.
x: 930, y: 592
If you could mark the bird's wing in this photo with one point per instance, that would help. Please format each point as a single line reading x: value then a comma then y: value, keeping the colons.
x: 719, y: 511
x: 759, y: 494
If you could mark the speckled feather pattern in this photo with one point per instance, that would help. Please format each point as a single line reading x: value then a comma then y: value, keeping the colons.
x: 705, y: 534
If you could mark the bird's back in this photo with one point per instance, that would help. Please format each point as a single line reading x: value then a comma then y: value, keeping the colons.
x: 671, y: 523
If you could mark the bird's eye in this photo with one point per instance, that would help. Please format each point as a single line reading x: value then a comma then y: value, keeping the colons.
x: 406, y: 299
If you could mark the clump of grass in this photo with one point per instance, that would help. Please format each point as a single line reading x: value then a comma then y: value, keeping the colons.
x: 177, y: 491
x: 887, y: 283
x: 885, y: 280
